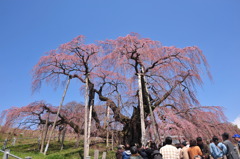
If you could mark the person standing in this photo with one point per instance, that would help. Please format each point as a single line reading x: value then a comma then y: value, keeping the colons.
x: 184, y: 152
x: 204, y: 148
x: 169, y: 151
x: 194, y: 150
x: 217, y: 149
x: 126, y: 154
x: 153, y: 151
x: 231, y: 150
x: 237, y: 138
x: 134, y: 153
x: 119, y: 152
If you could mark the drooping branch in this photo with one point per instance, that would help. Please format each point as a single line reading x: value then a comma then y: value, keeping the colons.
x: 168, y: 93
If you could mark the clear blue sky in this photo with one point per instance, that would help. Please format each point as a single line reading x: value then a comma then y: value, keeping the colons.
x: 29, y: 28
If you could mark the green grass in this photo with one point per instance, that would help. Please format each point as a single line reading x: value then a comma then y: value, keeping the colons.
x: 54, y: 152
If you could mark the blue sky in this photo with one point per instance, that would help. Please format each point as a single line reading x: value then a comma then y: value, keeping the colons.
x: 29, y: 28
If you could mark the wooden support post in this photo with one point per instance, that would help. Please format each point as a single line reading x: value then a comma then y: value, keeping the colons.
x: 156, y: 136
x: 6, y: 153
x: 86, y: 146
x: 142, y: 118
x: 104, y: 155
x: 55, y: 121
x: 107, y: 127
x: 96, y: 154
x: 5, y: 144
x: 14, y: 141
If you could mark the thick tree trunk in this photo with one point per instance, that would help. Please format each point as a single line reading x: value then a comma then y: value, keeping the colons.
x: 132, y: 130
x: 131, y: 126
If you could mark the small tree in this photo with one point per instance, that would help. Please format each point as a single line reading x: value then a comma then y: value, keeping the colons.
x: 42, y: 115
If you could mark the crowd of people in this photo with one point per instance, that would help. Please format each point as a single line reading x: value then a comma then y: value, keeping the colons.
x: 192, y: 149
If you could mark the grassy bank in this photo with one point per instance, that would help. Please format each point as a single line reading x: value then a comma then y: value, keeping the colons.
x: 54, y: 152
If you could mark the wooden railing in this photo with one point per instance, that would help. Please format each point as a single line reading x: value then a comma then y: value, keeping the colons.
x: 7, y: 153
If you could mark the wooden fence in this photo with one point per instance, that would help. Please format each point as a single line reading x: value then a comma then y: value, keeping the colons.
x: 7, y: 154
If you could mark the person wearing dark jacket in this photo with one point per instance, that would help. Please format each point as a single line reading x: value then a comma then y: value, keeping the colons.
x: 231, y: 150
x: 134, y: 153
x: 156, y: 155
x: 204, y: 148
x: 143, y: 153
x: 153, y: 152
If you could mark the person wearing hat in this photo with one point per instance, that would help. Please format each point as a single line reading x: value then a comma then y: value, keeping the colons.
x: 237, y: 138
